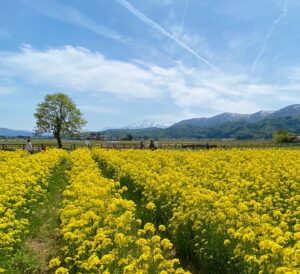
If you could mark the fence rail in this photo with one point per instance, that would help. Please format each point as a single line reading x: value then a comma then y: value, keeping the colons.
x: 36, y: 147
x: 70, y: 147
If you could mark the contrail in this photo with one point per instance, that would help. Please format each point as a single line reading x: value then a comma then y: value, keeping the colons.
x: 159, y: 28
x: 268, y: 35
x: 183, y: 17
x: 72, y: 16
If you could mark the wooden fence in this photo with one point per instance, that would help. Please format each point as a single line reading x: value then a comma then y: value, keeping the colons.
x: 70, y: 147
x: 36, y: 147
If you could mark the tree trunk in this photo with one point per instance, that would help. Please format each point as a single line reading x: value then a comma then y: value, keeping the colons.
x: 59, y: 141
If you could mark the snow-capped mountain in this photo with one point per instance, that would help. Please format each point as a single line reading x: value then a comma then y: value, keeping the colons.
x: 226, y: 117
x: 221, y: 118
x: 286, y: 111
x: 258, y: 116
x: 215, y: 120
x: 147, y: 124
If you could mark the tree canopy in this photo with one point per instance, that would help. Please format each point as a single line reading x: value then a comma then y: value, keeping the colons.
x: 58, y: 115
x: 283, y: 135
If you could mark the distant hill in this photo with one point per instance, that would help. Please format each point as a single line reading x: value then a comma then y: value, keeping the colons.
x: 6, y: 132
x: 239, y: 129
x: 262, y: 124
x: 224, y: 118
x: 287, y: 111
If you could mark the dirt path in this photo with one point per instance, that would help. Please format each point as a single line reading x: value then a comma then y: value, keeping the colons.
x: 43, y: 240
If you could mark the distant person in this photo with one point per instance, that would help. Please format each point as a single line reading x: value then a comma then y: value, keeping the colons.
x: 155, y: 145
x: 151, y: 146
x: 87, y: 143
x: 142, y: 146
x: 29, y: 147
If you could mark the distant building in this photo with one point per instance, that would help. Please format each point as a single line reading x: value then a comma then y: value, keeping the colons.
x: 95, y: 136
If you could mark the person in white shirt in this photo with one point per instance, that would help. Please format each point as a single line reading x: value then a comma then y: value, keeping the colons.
x: 29, y: 147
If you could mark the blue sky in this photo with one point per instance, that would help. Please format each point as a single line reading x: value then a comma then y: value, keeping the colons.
x: 123, y: 61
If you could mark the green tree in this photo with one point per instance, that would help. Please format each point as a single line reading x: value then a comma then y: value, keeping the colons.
x: 58, y: 115
x: 128, y: 137
x: 282, y: 136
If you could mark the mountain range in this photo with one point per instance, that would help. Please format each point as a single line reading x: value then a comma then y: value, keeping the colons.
x: 235, y: 117
x: 258, y: 125
x: 261, y: 124
x: 6, y: 132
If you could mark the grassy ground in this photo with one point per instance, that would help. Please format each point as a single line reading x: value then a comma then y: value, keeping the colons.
x: 43, y: 240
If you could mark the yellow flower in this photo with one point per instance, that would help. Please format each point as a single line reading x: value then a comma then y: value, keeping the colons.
x: 149, y: 227
x: 161, y: 228
x: 226, y: 242
x: 150, y: 206
x: 166, y: 244
x: 54, y: 262
x: 141, y: 242
x: 61, y: 270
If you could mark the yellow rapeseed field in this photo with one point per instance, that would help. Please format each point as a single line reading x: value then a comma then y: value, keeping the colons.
x: 23, y: 180
x: 234, y: 211
x: 141, y: 211
x: 100, y: 230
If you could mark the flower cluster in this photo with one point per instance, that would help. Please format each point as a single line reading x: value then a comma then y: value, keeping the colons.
x: 100, y: 230
x: 235, y: 211
x: 23, y: 181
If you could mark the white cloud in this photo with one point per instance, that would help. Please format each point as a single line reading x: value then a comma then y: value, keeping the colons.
x: 81, y: 70
x: 195, y: 90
